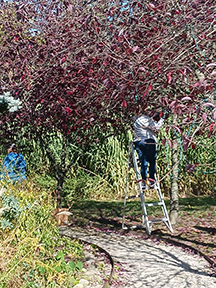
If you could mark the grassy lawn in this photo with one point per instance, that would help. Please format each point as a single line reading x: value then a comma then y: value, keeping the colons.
x: 196, y: 225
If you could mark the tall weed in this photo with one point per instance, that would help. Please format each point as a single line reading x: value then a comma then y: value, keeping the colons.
x: 99, y: 170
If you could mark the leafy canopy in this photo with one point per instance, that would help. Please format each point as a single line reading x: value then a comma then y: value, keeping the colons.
x: 84, y: 69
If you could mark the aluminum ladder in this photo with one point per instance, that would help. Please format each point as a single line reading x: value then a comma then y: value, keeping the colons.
x: 133, y: 161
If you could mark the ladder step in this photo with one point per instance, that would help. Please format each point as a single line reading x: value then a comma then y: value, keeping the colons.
x: 153, y: 204
x: 158, y: 220
x: 132, y: 197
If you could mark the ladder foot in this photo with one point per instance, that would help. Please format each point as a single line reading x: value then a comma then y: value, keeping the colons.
x: 125, y: 228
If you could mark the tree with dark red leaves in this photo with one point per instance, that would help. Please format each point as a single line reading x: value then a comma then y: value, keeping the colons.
x: 84, y: 69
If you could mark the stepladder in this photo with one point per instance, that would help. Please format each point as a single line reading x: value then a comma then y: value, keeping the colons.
x: 147, y: 223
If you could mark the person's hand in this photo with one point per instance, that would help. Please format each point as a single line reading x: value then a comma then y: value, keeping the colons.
x: 165, y: 113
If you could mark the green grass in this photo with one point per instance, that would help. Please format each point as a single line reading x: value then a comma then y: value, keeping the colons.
x: 198, y: 204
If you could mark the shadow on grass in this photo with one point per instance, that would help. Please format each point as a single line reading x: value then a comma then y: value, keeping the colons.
x: 103, y: 213
x: 97, y: 213
x: 179, y: 237
x: 206, y: 229
x: 108, y: 222
x: 193, y: 203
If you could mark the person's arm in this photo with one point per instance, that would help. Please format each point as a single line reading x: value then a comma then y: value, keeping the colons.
x: 156, y: 125
x: 20, y: 163
x: 6, y: 163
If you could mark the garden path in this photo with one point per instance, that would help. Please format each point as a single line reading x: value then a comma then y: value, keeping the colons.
x: 145, y: 263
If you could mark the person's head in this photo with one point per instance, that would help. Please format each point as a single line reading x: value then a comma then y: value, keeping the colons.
x: 154, y: 115
x: 12, y: 148
x: 139, y: 110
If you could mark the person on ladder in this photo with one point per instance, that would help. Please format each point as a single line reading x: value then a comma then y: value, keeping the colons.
x: 145, y: 128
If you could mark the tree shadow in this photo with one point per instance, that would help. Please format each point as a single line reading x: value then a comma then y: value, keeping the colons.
x: 105, y: 221
x: 210, y: 230
x: 106, y: 215
x: 190, y: 202
x: 181, y: 239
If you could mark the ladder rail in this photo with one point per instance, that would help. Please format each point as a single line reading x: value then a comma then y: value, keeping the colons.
x: 126, y: 187
x: 167, y: 223
x: 139, y: 183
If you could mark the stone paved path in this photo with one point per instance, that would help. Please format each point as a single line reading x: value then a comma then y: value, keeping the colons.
x: 149, y: 264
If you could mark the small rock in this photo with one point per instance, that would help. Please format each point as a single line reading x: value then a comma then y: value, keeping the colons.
x: 82, y: 284
x: 78, y: 286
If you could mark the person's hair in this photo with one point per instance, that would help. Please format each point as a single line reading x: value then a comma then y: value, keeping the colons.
x: 12, y: 148
x: 153, y: 114
x: 156, y: 116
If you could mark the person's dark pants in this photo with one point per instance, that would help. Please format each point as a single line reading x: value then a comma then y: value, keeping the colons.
x: 147, y: 154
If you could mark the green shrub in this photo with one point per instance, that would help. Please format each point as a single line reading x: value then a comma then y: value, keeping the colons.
x: 32, y: 254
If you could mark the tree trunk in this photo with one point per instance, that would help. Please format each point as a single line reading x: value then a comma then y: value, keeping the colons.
x: 61, y: 173
x: 174, y: 203
x: 59, y: 187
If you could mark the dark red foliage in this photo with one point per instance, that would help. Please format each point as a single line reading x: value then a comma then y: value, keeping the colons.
x: 76, y: 69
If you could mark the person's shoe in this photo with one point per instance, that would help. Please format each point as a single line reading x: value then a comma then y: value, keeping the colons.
x: 152, y: 184
x: 143, y: 186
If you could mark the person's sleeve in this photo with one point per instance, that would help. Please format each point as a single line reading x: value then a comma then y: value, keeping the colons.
x: 6, y: 166
x: 6, y: 163
x: 156, y: 126
x: 22, y: 163
x: 135, y: 118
